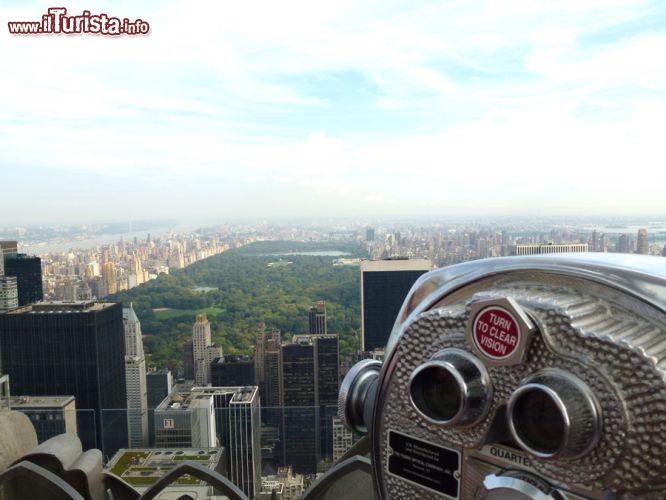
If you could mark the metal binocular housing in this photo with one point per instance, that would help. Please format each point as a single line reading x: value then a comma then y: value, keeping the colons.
x: 540, y: 377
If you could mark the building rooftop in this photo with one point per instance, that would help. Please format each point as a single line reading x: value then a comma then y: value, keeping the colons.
x: 244, y: 394
x: 19, y: 402
x: 396, y: 264
x: 8, y: 247
x: 268, y: 486
x: 63, y: 307
x: 142, y: 467
x: 233, y: 359
x: 308, y: 339
x: 179, y: 402
x: 186, y: 395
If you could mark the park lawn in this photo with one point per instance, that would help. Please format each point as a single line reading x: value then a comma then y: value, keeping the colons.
x: 174, y: 313
x: 280, y: 263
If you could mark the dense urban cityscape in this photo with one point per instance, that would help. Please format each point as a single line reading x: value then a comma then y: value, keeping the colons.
x: 82, y: 273
x: 332, y: 250
x: 275, y: 425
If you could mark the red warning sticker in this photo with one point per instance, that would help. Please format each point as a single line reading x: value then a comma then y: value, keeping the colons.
x: 496, y: 332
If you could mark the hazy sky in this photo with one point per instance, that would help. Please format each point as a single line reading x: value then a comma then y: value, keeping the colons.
x: 347, y: 107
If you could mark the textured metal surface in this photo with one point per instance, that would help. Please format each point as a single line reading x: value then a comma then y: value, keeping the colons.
x: 577, y: 409
x: 641, y: 276
x: 472, y: 385
x: 515, y: 485
x: 353, y: 394
x: 613, y: 338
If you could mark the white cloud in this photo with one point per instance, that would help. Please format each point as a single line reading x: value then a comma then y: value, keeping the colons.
x: 472, y: 105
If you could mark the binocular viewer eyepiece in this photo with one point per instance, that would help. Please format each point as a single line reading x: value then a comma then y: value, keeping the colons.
x: 521, y: 377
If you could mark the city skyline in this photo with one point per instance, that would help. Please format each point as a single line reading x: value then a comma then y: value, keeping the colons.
x: 368, y: 109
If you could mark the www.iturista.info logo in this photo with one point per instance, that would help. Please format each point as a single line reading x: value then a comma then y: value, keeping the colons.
x: 56, y: 21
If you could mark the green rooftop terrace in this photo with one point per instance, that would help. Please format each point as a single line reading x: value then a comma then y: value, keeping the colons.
x: 144, y: 467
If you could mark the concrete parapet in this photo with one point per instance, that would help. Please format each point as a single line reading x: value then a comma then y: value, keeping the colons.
x: 17, y: 438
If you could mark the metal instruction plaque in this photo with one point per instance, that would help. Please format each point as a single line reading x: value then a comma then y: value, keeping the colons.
x: 426, y: 464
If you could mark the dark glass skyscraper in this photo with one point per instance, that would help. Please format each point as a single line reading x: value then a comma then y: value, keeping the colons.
x: 317, y: 318
x: 384, y: 286
x: 310, y: 384
x: 231, y: 371
x: 328, y: 386
x: 299, y: 418
x: 55, y: 349
x: 188, y: 360
x: 267, y: 369
x: 28, y: 272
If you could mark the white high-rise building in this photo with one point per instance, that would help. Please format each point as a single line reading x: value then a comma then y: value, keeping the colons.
x: 343, y: 439
x: 135, y: 377
x: 200, y: 340
x: 537, y: 249
x: 133, y: 336
x: 186, y: 420
x: 8, y: 284
x: 238, y: 417
x: 8, y: 292
x: 210, y: 354
x: 203, y: 350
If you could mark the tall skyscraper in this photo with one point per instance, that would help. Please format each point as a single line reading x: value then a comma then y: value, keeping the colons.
x: 594, y: 241
x: 9, y: 298
x: 623, y: 244
x: 317, y: 318
x: 109, y: 277
x: 159, y: 385
x: 327, y: 349
x: 200, y: 340
x: 642, y: 244
x: 603, y: 243
x: 28, y: 272
x: 309, y: 385
x: 300, y: 402
x: 52, y: 349
x: 245, y: 440
x: 238, y: 423
x: 185, y: 420
x: 135, y: 378
x: 135, y: 275
x: 8, y: 247
x: 188, y: 360
x: 231, y: 371
x: 384, y: 285
x: 8, y: 293
x: 267, y: 367
x: 204, y: 351
x: 272, y: 410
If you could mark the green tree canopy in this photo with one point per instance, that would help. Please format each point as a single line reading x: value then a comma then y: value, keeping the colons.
x: 271, y: 282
